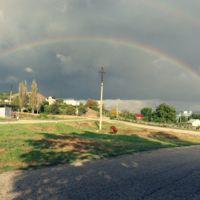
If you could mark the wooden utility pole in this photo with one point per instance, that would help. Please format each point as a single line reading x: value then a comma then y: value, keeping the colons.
x: 102, y: 72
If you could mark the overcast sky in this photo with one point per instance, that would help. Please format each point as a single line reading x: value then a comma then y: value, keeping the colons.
x: 69, y: 69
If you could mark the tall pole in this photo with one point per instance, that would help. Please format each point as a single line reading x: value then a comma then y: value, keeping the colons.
x: 11, y: 92
x: 102, y: 72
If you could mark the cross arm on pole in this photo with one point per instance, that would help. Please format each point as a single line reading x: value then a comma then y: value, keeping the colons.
x: 102, y: 72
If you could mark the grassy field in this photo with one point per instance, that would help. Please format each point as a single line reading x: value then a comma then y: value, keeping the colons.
x: 3, y: 119
x: 24, y: 146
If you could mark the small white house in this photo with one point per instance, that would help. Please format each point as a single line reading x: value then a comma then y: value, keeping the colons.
x: 51, y: 100
x: 194, y: 122
x: 72, y: 102
x: 6, y: 110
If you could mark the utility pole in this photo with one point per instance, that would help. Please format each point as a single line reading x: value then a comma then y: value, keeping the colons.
x: 11, y: 92
x: 102, y: 72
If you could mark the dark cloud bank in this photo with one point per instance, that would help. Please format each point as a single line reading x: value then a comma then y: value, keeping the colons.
x: 70, y: 69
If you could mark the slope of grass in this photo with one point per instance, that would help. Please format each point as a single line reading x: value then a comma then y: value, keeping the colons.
x: 31, y: 145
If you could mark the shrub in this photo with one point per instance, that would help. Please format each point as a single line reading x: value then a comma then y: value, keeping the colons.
x: 42, y: 115
x: 96, y: 108
x: 81, y: 110
x: 70, y: 110
x: 55, y: 108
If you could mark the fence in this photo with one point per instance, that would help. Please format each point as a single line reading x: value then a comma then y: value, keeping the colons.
x: 159, y: 124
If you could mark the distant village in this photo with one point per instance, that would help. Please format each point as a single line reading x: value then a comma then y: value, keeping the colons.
x: 36, y: 103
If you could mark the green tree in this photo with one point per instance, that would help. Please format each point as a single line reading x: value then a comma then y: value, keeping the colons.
x: 55, y: 109
x: 82, y: 110
x: 183, y: 119
x: 70, y: 110
x: 113, y: 112
x: 15, y: 101
x: 22, y: 94
x: 195, y: 116
x: 164, y: 113
x: 81, y: 104
x: 38, y: 103
x: 47, y: 109
x: 147, y: 112
x: 96, y: 108
x: 125, y: 113
x: 96, y: 104
x: 33, y: 96
x: 45, y: 102
x: 60, y: 100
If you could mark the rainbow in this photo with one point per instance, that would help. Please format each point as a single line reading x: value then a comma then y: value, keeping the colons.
x: 175, y: 62
x: 172, y: 10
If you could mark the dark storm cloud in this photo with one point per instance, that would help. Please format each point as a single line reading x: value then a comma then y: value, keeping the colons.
x: 70, y: 69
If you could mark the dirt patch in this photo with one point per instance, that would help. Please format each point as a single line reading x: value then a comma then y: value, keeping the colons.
x: 45, y: 128
x: 157, y: 134
x: 91, y: 123
x: 35, y: 127
x: 83, y: 124
x: 67, y: 142
x: 2, y: 149
x: 150, y: 133
x: 50, y: 128
x: 125, y: 130
x: 73, y: 124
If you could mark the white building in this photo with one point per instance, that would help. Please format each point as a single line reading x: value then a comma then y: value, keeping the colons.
x: 51, y: 100
x: 6, y: 100
x: 194, y: 122
x: 72, y: 102
x: 185, y: 113
x: 6, y: 110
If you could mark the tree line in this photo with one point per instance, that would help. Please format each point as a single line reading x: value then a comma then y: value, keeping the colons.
x: 163, y: 114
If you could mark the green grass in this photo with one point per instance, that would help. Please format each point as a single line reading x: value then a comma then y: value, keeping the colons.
x: 24, y: 146
x: 3, y: 119
x: 47, y: 118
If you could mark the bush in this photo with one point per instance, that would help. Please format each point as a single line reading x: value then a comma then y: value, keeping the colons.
x: 55, y: 108
x: 42, y: 115
x: 70, y: 110
x: 81, y: 110
x: 47, y: 109
x: 96, y: 108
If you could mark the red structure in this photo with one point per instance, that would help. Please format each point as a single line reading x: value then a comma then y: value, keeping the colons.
x: 113, y: 129
x: 139, y: 116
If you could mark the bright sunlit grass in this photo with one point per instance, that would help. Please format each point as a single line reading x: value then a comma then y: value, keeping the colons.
x: 31, y: 145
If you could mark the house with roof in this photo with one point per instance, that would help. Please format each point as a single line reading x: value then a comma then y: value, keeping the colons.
x: 51, y: 100
x: 194, y: 122
x: 139, y: 116
x: 6, y: 110
x: 185, y: 113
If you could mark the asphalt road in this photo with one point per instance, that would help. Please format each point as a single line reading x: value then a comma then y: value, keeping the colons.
x: 169, y: 174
